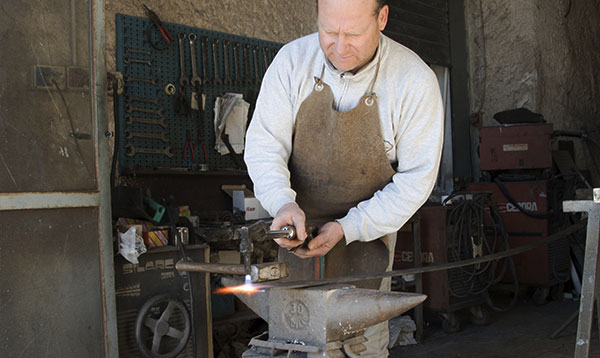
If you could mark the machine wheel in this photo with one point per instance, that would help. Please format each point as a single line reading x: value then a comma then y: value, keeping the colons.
x: 450, y: 322
x: 540, y: 295
x: 479, y: 316
x: 162, y: 327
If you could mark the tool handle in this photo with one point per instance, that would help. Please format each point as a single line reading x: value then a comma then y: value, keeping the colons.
x: 286, y: 232
x: 165, y: 33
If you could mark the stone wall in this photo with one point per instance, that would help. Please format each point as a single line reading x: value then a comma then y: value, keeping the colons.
x: 271, y: 20
x: 538, y: 54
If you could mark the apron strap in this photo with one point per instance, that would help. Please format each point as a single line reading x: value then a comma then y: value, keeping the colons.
x: 319, y: 80
x: 371, y: 97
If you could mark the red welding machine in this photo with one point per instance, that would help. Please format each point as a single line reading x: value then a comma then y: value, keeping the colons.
x: 524, y: 146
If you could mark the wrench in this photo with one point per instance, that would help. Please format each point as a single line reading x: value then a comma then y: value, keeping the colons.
x: 204, y: 60
x: 217, y: 78
x: 246, y: 64
x: 131, y: 79
x: 265, y: 59
x: 131, y: 98
x: 196, y: 80
x: 183, y: 80
x: 235, y: 62
x: 129, y: 108
x: 131, y: 151
x: 227, y: 79
x: 160, y: 121
x: 162, y: 136
x: 256, y: 67
x: 137, y: 60
x: 134, y: 50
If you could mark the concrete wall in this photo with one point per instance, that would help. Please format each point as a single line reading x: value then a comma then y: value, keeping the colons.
x: 538, y: 54
x: 271, y: 20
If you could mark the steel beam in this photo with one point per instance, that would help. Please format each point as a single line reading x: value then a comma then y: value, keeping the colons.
x: 590, y: 270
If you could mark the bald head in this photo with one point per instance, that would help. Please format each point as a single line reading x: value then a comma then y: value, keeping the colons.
x: 348, y: 31
x: 378, y: 5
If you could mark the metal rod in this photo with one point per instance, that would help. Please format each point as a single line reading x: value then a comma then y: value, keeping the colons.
x: 266, y: 271
x: 225, y: 269
x: 286, y: 232
x: 499, y: 255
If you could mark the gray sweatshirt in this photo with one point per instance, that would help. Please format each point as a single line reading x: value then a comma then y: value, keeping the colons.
x: 411, y: 116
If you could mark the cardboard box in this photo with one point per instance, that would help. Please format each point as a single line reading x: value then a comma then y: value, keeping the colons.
x: 244, y: 200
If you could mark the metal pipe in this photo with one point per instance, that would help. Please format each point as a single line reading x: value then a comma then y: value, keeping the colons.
x: 73, y: 34
x: 225, y: 269
x: 268, y: 271
x: 286, y: 232
x: 446, y: 266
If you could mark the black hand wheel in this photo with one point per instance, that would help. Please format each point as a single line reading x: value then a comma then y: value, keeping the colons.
x: 162, y: 327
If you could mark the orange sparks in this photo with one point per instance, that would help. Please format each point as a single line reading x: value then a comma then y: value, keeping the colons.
x: 246, y: 288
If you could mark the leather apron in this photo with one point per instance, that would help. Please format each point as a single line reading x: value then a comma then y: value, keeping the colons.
x: 338, y: 160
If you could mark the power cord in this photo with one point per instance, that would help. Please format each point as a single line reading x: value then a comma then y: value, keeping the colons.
x: 471, y: 237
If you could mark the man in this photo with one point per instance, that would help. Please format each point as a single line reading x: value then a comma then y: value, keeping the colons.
x: 337, y: 112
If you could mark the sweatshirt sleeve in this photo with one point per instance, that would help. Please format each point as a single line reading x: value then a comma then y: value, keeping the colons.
x: 269, y: 139
x: 418, y: 142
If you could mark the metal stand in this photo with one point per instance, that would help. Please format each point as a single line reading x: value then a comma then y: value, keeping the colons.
x: 590, y: 270
x: 417, y: 260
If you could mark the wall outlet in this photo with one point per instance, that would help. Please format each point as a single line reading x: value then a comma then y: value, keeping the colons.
x: 78, y: 78
x: 47, y: 77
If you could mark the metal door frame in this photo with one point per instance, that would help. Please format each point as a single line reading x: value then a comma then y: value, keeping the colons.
x: 100, y: 198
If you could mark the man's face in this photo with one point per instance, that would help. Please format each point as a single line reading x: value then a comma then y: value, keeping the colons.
x: 349, y: 31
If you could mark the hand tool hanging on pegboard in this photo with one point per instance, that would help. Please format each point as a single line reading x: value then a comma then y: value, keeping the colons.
x: 162, y: 29
x: 155, y: 73
x: 182, y: 105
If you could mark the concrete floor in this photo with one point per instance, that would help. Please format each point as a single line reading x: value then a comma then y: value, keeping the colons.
x: 522, y: 332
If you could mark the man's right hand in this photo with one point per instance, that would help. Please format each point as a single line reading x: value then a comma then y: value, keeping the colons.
x: 290, y: 214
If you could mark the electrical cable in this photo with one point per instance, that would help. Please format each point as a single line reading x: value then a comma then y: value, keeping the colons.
x: 568, y: 9
x: 512, y: 200
x: 586, y: 139
x: 173, y: 225
x: 113, y: 165
x: 73, y: 132
x: 508, y: 263
x: 484, y: 67
x: 468, y: 238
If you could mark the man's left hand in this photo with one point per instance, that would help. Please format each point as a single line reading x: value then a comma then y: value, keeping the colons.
x: 329, y: 235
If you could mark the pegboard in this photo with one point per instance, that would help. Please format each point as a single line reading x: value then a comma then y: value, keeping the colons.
x: 240, y: 65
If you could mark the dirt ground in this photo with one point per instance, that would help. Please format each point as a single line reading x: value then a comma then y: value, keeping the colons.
x: 522, y: 332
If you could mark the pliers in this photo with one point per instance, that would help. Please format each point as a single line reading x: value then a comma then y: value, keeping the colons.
x: 189, y: 147
x: 162, y: 29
